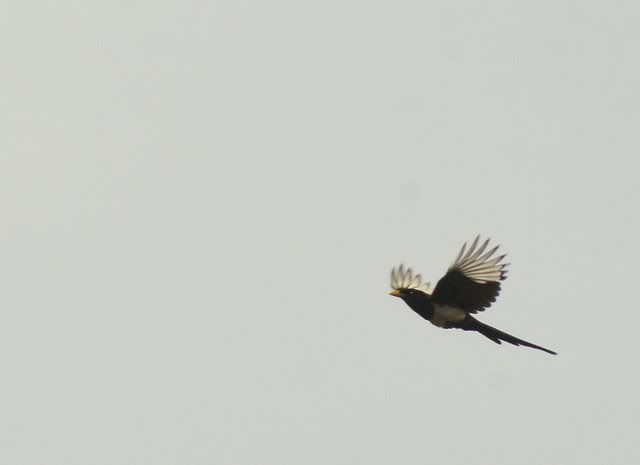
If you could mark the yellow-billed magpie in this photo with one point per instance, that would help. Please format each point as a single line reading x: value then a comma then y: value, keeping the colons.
x: 470, y: 285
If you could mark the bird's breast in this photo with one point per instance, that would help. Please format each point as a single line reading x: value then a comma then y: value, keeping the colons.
x: 444, y: 315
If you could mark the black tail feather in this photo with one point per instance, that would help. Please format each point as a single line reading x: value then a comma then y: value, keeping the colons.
x: 497, y: 336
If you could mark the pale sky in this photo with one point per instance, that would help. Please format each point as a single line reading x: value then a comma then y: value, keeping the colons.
x: 201, y: 203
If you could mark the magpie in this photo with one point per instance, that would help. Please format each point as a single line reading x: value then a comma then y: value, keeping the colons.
x: 470, y: 285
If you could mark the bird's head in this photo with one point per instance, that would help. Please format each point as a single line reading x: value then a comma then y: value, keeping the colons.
x: 407, y: 285
x: 408, y: 295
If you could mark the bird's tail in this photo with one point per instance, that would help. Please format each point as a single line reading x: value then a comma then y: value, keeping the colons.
x: 497, y: 336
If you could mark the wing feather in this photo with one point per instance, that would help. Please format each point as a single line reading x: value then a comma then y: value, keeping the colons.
x: 472, y: 282
x: 407, y: 279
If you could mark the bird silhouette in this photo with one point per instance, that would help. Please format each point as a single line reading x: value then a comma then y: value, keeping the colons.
x: 470, y: 285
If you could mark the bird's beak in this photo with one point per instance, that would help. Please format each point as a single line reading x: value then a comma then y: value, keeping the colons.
x: 395, y: 293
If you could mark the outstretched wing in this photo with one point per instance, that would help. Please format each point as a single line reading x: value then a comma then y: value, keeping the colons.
x: 407, y: 279
x: 472, y: 282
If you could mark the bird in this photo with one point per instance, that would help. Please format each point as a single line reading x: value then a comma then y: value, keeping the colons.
x: 470, y: 285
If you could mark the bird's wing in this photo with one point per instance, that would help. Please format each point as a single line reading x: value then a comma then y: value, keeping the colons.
x: 407, y: 279
x: 472, y: 282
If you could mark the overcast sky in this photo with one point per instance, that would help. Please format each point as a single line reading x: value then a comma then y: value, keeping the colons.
x: 201, y: 202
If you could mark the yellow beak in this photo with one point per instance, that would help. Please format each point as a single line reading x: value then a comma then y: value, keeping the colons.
x: 395, y: 293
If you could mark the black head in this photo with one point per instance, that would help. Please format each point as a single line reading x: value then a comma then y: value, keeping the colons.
x: 409, y: 287
x: 411, y: 296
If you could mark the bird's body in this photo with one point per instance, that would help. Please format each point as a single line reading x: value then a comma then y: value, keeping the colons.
x: 471, y: 284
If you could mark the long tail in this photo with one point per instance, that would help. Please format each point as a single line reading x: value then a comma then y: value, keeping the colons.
x: 497, y: 336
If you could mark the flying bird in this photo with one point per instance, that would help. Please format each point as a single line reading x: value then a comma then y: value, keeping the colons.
x: 470, y: 285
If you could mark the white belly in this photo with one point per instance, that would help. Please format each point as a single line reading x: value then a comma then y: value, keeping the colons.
x: 444, y: 315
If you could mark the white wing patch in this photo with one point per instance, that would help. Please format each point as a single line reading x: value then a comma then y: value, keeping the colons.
x: 406, y: 279
x: 480, y: 268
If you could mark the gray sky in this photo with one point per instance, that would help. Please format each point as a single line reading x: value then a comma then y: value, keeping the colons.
x: 201, y: 203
